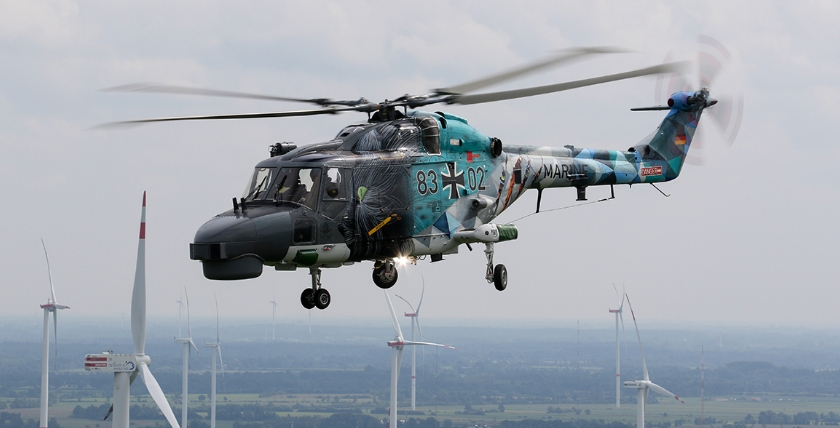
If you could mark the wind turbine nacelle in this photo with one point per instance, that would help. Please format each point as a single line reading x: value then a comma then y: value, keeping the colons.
x: 107, y: 362
x: 635, y: 384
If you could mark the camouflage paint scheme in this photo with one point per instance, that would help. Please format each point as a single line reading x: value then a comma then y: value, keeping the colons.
x: 407, y: 198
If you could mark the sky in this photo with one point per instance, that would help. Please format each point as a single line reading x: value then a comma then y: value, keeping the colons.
x: 750, y: 237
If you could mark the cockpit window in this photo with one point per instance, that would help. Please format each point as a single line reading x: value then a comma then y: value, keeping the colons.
x: 258, y: 185
x: 298, y: 185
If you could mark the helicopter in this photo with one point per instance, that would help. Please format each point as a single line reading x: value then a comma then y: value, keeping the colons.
x: 407, y: 184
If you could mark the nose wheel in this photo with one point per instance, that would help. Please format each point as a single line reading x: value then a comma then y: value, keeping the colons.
x: 315, y: 297
x: 496, y: 275
x: 384, y: 274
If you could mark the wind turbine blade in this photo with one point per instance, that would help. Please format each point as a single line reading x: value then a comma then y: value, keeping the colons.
x: 406, y: 302
x: 639, y: 336
x: 49, y: 271
x: 55, y: 333
x: 107, y: 415
x: 138, y: 295
x: 193, y: 345
x: 394, y: 317
x: 217, y: 318
x: 157, y: 394
x: 412, y: 343
x: 189, y: 328
x: 417, y: 319
x: 660, y: 390
x: 399, y: 360
x: 221, y: 362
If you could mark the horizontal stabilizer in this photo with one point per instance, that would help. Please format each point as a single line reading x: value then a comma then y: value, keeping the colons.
x: 654, y: 108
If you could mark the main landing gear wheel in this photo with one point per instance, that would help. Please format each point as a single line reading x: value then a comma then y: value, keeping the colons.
x: 384, y: 274
x: 322, y: 299
x: 500, y: 277
x: 315, y: 296
x: 307, y: 298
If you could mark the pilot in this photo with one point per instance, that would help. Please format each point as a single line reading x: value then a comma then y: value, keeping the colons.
x: 310, y: 198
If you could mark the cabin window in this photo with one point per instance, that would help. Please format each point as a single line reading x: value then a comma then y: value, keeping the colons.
x: 259, y: 184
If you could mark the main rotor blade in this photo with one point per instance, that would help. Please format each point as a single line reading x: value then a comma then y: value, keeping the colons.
x: 658, y: 389
x: 397, y: 329
x: 566, y: 56
x: 540, y: 90
x: 157, y: 394
x: 329, y: 110
x: 49, y: 271
x: 138, y: 295
x: 639, y: 336
x: 185, y: 90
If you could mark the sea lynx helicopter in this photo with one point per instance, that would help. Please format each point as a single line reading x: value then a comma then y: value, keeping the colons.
x: 407, y: 184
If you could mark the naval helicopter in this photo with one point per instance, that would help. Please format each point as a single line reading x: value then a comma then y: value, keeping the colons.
x: 410, y: 184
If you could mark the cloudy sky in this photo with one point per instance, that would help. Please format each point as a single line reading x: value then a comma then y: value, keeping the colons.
x: 750, y: 237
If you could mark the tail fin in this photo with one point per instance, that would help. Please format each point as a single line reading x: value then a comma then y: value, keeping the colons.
x: 668, y: 146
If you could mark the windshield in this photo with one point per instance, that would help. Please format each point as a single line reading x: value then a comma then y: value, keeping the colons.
x: 258, y: 184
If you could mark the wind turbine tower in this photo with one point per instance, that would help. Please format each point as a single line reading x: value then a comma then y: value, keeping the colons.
x: 53, y: 307
x: 187, y: 342
x: 217, y: 348
x: 397, y: 346
x: 126, y: 367
x: 618, y: 316
x: 644, y: 386
x: 415, y: 319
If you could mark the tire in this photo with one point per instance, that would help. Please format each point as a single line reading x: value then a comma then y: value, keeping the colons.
x: 307, y: 298
x: 322, y: 299
x: 384, y: 283
x: 500, y: 277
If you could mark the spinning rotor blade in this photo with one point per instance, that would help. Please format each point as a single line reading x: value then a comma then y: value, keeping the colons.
x: 329, y: 110
x: 540, y: 90
x: 157, y: 394
x: 566, y: 56
x: 184, y: 90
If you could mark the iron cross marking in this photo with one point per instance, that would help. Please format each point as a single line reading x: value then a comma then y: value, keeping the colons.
x: 453, y: 179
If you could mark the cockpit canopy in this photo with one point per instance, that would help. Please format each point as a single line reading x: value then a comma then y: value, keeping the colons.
x: 298, y: 185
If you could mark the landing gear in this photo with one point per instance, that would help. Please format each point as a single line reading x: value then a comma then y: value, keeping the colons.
x: 315, y: 296
x: 496, y: 275
x: 384, y: 274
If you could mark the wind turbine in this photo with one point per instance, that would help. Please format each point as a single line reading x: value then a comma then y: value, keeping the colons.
x: 273, y: 313
x: 415, y: 318
x: 618, y: 316
x: 217, y: 348
x: 53, y: 307
x: 643, y: 386
x: 188, y: 342
x: 396, y: 358
x: 126, y: 367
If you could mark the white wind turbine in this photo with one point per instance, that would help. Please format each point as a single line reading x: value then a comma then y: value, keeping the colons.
x: 396, y: 358
x: 273, y: 313
x: 53, y: 307
x: 187, y: 342
x: 643, y: 386
x: 618, y: 316
x: 415, y: 319
x: 126, y: 367
x: 217, y: 348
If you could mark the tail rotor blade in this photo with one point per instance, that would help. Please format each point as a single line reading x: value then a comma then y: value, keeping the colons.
x: 639, y: 336
x: 157, y: 394
x: 394, y: 317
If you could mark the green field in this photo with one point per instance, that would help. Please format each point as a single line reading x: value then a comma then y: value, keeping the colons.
x: 725, y: 410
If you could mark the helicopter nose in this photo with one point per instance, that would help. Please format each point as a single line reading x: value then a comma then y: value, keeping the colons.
x: 235, y: 246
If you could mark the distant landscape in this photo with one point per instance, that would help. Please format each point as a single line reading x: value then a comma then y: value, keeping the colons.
x: 519, y: 376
